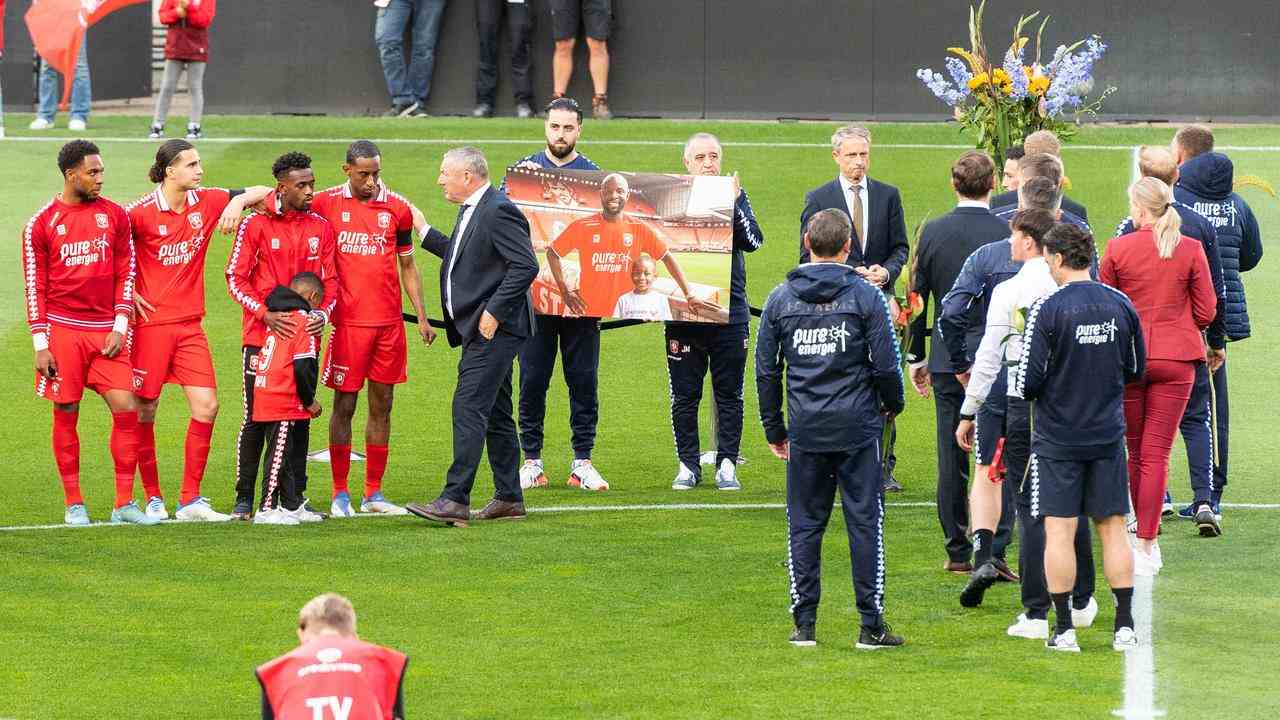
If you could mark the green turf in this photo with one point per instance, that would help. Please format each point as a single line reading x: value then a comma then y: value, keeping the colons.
x: 638, y: 614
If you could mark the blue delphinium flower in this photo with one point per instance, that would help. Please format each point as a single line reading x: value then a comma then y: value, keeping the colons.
x: 1072, y: 76
x: 960, y: 75
x: 941, y: 87
x: 1013, y: 67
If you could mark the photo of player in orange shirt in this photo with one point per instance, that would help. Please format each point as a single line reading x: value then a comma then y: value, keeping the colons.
x: 608, y: 243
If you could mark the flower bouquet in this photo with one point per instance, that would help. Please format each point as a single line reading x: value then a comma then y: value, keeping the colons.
x: 1002, y: 104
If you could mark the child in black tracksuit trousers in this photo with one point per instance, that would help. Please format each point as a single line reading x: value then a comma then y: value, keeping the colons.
x: 830, y: 332
x: 286, y: 374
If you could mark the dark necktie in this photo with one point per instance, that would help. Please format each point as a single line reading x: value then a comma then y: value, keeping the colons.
x: 457, y: 224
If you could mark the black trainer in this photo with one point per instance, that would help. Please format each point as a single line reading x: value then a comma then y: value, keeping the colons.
x: 1207, y: 521
x: 803, y: 636
x: 243, y: 510
x: 979, y: 580
x: 878, y: 637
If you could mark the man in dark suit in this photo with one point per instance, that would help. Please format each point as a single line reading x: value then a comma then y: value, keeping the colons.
x: 944, y: 246
x: 878, y: 244
x: 1040, y: 141
x: 484, y: 289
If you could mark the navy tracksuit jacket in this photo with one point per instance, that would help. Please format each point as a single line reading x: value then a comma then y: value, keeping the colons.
x: 829, y: 332
x: 578, y: 340
x: 693, y: 348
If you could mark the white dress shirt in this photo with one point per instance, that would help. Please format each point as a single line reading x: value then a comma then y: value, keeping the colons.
x: 470, y: 203
x: 1032, y: 282
x: 846, y: 188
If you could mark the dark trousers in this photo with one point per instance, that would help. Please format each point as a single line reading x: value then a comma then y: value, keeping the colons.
x: 579, y: 343
x: 1031, y: 542
x: 520, y: 30
x: 252, y: 434
x: 812, y: 479
x: 482, y: 418
x: 691, y: 351
x: 1207, y: 478
x: 953, y: 477
x: 284, y: 468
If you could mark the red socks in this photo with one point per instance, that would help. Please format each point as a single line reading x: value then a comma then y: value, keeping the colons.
x: 375, y: 466
x: 66, y: 452
x: 340, y: 464
x: 124, y: 451
x: 147, y: 459
x: 199, y: 436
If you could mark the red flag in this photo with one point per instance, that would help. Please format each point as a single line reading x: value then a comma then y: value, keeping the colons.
x: 57, y: 28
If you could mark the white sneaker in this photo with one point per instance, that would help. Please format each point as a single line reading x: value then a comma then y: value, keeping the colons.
x: 1066, y: 642
x: 379, y: 505
x: 727, y: 476
x: 685, y: 479
x: 156, y: 509
x: 532, y: 475
x: 1144, y: 564
x: 1125, y: 639
x: 302, y: 514
x: 199, y: 510
x: 1131, y: 523
x: 275, y: 516
x: 582, y: 474
x: 341, y: 505
x: 1157, y: 556
x: 1085, y: 616
x: 1025, y: 627
x: 40, y: 124
x: 77, y: 125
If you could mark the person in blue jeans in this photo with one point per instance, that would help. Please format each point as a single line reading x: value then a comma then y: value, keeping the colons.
x: 51, y: 91
x: 409, y: 86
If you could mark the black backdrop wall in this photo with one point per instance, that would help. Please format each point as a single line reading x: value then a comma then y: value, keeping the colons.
x: 1171, y: 59
x: 119, y: 56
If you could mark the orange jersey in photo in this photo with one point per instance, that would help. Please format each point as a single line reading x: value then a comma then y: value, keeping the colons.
x: 606, y: 251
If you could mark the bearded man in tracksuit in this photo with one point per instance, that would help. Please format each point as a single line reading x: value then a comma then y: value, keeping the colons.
x: 830, y: 332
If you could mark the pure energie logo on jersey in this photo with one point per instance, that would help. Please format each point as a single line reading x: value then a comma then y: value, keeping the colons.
x: 82, y: 252
x: 611, y: 262
x: 820, y: 341
x: 361, y: 243
x: 1097, y: 333
x: 179, y: 253
x: 1219, y: 214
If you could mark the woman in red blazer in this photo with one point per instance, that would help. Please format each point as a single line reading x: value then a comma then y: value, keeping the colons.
x: 186, y: 46
x: 1166, y: 275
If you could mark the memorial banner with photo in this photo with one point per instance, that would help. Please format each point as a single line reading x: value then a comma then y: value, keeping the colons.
x: 642, y: 246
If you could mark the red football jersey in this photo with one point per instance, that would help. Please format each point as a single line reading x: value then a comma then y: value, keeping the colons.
x: 172, y: 246
x: 334, y: 677
x: 77, y: 261
x: 368, y: 241
x: 270, y: 248
x: 275, y: 388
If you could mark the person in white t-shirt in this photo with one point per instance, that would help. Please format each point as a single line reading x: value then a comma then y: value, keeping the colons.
x: 643, y: 303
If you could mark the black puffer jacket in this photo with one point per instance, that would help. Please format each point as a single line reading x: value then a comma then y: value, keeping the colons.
x: 1205, y: 183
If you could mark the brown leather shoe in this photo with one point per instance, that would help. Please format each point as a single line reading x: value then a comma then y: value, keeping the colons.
x: 1002, y: 570
x: 958, y: 568
x: 500, y: 510
x: 443, y: 511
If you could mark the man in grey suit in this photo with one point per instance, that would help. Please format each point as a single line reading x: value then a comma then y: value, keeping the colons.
x: 878, y: 242
x: 484, y: 289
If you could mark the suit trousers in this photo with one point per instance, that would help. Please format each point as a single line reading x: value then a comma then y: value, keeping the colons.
x: 482, y: 417
x: 579, y: 343
x: 953, y: 477
x: 1031, y: 541
x: 812, y: 479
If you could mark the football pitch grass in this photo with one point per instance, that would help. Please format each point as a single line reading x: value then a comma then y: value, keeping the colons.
x: 638, y: 611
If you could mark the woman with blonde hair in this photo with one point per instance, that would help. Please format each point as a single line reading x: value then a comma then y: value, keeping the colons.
x: 1166, y: 276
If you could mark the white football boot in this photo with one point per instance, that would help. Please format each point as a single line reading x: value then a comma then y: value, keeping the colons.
x: 156, y: 509
x: 583, y: 474
x: 532, y: 475
x: 199, y: 510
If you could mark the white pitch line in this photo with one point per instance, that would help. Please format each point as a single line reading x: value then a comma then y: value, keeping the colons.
x: 1140, y: 662
x: 657, y: 507
x: 511, y: 141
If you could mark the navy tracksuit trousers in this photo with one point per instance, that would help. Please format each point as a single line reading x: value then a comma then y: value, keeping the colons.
x: 812, y: 479
x: 1035, y: 588
x: 579, y: 342
x: 1207, y: 478
x: 691, y: 350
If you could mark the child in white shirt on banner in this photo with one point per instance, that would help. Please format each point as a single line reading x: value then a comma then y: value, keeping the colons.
x: 642, y: 303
